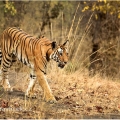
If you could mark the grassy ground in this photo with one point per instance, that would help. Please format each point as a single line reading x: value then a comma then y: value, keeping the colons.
x: 78, y: 96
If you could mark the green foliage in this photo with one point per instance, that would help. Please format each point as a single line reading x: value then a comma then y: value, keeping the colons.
x: 10, y: 8
x: 103, y: 6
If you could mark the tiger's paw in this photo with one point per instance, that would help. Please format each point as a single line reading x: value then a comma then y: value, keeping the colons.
x: 50, y: 100
x: 6, y: 85
x: 9, y: 89
x: 31, y: 95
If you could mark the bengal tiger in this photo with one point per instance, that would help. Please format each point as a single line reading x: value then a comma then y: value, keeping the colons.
x: 33, y: 52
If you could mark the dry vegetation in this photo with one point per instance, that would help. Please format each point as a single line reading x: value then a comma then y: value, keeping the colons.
x: 78, y: 96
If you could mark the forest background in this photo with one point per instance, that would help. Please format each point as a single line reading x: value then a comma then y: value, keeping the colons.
x: 92, y: 28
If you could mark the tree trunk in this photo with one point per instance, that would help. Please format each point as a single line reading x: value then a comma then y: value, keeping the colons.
x: 95, y: 59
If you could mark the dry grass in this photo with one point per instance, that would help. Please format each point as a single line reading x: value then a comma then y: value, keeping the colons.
x: 78, y: 96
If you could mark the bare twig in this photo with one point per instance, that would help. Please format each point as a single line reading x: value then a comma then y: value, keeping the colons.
x: 84, y: 34
x: 73, y: 22
x: 74, y: 39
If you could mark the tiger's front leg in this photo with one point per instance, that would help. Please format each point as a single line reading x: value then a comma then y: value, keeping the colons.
x: 30, y: 90
x: 48, y: 96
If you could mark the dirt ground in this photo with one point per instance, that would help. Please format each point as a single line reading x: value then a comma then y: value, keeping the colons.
x: 77, y: 95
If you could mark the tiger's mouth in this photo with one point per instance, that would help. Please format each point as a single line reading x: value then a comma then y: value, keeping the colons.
x: 61, y: 65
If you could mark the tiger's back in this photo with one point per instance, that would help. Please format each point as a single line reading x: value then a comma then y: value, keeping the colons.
x: 22, y: 45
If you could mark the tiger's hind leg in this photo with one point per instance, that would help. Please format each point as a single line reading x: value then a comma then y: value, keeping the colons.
x: 5, y: 65
x: 30, y: 89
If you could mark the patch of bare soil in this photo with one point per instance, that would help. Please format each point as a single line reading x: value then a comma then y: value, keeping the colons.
x: 78, y: 96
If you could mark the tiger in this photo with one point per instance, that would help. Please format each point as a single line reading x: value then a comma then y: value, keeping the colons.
x: 33, y: 52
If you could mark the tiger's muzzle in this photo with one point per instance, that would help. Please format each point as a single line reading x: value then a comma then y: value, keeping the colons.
x: 62, y: 64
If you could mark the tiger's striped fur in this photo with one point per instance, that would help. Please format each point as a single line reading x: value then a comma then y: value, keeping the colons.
x: 33, y: 52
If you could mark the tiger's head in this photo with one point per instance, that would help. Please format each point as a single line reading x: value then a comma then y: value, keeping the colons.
x: 60, y: 54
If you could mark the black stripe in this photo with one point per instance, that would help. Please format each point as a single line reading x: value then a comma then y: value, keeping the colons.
x: 43, y: 59
x: 23, y: 36
x: 25, y: 62
x: 17, y: 42
x: 9, y: 30
x: 42, y: 70
x: 25, y: 40
x: 8, y: 60
x: 17, y: 50
x: 20, y: 35
x: 4, y: 70
x: 29, y: 41
x: 28, y: 36
x: 15, y: 34
x: 10, y: 33
x: 29, y: 45
x: 34, y: 43
x: 14, y: 60
x: 47, y: 57
x: 21, y: 53
x: 5, y: 66
x: 32, y: 76
x: 27, y: 57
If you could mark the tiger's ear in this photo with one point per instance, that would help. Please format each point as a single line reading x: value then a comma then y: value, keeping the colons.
x: 65, y: 42
x: 53, y: 44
